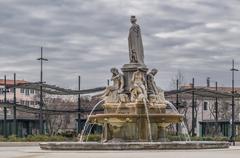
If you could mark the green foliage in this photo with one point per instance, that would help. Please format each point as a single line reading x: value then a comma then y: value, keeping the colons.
x: 2, y: 139
x: 92, y: 138
x: 69, y: 134
x: 238, y: 138
x: 33, y: 138
x: 14, y: 138
x: 209, y: 138
x: 44, y: 138
x: 181, y: 137
x: 97, y: 137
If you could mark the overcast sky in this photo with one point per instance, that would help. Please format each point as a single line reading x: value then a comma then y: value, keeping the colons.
x: 88, y: 37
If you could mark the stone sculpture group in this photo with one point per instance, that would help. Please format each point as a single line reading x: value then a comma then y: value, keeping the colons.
x: 135, y: 85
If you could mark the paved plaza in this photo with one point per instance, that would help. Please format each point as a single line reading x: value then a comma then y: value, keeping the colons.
x: 36, y: 152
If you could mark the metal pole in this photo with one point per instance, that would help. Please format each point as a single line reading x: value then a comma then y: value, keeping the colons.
x: 79, y: 105
x: 233, y: 104
x: 193, y: 108
x: 216, y: 109
x: 14, y: 107
x: 41, y: 97
x: 41, y: 93
x: 5, y: 108
x: 177, y: 103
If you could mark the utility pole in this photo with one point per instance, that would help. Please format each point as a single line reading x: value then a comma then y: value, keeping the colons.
x: 14, y: 107
x: 177, y: 104
x: 233, y: 69
x: 216, y: 109
x: 193, y: 109
x: 41, y: 93
x: 5, y: 108
x: 79, y: 105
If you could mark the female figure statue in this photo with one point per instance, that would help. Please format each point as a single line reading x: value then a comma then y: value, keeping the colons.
x: 135, y: 45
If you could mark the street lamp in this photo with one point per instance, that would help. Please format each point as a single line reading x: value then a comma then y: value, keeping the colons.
x: 41, y: 94
x: 233, y: 69
x: 79, y: 105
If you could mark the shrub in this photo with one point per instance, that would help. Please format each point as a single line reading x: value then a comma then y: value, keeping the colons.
x: 14, y: 138
x: 173, y: 137
x: 92, y: 138
x: 43, y: 138
x: 2, y: 139
x: 182, y: 137
x: 238, y: 138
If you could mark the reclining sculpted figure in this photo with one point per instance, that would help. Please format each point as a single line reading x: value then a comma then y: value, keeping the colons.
x: 114, y: 93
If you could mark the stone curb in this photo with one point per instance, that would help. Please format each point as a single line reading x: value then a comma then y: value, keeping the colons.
x: 18, y: 144
x: 134, y: 145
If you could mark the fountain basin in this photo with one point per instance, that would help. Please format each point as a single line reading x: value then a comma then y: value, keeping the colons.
x: 134, y: 145
x: 124, y: 118
x: 131, y: 122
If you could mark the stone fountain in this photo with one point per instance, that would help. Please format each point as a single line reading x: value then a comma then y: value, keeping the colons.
x: 135, y: 115
x: 134, y: 108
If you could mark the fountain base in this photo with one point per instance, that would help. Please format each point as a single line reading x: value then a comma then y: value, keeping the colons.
x: 134, y: 145
x: 129, y: 122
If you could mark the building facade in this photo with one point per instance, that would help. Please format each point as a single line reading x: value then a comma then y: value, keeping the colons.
x: 212, y: 114
x: 27, y: 123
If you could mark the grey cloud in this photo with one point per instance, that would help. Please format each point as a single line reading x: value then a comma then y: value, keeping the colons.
x: 87, y: 38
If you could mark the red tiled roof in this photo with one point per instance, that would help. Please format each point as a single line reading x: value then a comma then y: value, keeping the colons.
x: 11, y: 82
x: 221, y: 89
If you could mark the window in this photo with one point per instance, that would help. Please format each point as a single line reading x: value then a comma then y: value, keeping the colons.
x: 32, y: 102
x: 27, y: 103
x: 22, y: 102
x: 205, y: 105
x: 11, y: 90
x: 1, y: 90
x: 22, y: 90
x: 27, y: 92
x: 32, y: 91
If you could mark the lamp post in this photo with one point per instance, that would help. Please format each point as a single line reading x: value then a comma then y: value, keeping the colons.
x: 193, y: 108
x: 233, y: 69
x: 5, y: 108
x: 41, y: 94
x: 216, y: 109
x: 177, y: 104
x: 79, y: 105
x: 14, y: 106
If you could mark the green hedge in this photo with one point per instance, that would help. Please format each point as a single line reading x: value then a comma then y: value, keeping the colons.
x: 95, y: 137
x: 92, y: 138
x: 34, y: 138
x: 182, y: 138
x: 46, y: 138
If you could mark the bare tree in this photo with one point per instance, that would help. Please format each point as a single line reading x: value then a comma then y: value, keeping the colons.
x: 58, y: 123
x: 180, y: 77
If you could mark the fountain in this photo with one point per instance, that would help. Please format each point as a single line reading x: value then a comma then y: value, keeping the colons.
x: 135, y: 115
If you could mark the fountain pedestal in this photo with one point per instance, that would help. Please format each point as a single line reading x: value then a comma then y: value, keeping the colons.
x: 128, y: 122
x: 128, y: 70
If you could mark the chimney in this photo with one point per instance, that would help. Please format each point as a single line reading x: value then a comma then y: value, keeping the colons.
x: 208, y: 81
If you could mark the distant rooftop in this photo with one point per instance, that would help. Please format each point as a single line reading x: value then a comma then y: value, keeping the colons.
x: 220, y: 88
x: 11, y: 82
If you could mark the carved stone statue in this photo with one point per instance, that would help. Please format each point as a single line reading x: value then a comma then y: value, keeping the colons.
x: 152, y: 87
x: 156, y: 95
x: 112, y: 93
x: 136, y: 53
x: 138, y: 88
